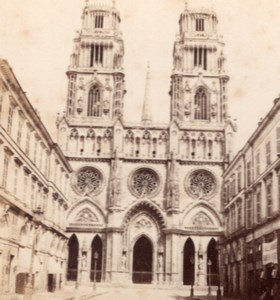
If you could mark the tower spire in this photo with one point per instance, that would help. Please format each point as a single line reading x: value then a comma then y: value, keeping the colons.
x: 146, y: 113
x: 186, y: 5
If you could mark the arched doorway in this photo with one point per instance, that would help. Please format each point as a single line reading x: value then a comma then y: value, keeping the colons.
x: 189, y: 263
x: 73, y: 253
x: 142, y: 261
x: 96, y: 259
x: 212, y: 263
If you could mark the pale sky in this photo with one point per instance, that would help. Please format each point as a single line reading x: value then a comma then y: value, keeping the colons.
x: 36, y: 37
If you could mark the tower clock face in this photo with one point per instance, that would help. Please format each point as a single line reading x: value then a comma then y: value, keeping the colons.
x: 201, y: 184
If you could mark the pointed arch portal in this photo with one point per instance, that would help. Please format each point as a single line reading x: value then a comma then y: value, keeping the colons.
x: 212, y: 263
x: 73, y: 253
x: 96, y: 247
x: 142, y: 261
x: 189, y: 263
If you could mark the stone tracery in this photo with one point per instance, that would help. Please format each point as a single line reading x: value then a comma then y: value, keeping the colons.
x: 144, y: 182
x: 88, y: 180
x: 201, y: 184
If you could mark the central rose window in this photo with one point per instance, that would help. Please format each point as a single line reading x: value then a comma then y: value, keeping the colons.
x: 201, y: 184
x: 144, y: 182
x: 88, y: 180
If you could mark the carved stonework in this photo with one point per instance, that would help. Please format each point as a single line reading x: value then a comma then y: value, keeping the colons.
x: 201, y: 184
x: 86, y: 216
x: 88, y: 181
x: 143, y: 223
x: 144, y: 182
x: 173, y: 192
x: 115, y: 182
x: 201, y: 220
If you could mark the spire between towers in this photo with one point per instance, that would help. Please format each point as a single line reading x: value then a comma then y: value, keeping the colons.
x: 146, y: 113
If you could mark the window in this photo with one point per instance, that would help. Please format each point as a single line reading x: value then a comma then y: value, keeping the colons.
x: 25, y: 187
x: 278, y: 140
x: 200, y: 57
x: 16, y: 174
x: 239, y: 179
x: 99, y: 21
x: 233, y: 186
x: 10, y: 119
x: 268, y: 153
x: 27, y: 145
x: 199, y: 24
x: 249, y: 175
x: 33, y: 193
x: 201, y: 105
x: 96, y: 55
x: 249, y: 211
x: 269, y: 198
x: 94, y: 102
x: 5, y: 169
x: 20, y: 123
x: 239, y: 214
x: 258, y: 205
x: 233, y: 219
x: 258, y: 171
x: 35, y: 150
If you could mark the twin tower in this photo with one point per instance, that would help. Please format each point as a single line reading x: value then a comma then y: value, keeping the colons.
x: 144, y: 187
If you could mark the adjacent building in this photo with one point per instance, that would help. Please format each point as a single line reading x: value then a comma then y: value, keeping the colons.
x: 145, y: 197
x: 34, y: 177
x: 252, y: 211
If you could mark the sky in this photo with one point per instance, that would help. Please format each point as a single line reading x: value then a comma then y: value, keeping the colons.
x: 36, y: 37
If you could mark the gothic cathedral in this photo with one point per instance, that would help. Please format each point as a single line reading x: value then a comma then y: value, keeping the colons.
x: 145, y: 198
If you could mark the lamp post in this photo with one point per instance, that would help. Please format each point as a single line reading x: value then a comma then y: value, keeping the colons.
x: 95, y: 258
x: 37, y: 217
x: 209, y: 274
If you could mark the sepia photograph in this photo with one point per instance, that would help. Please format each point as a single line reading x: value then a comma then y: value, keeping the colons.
x: 139, y: 149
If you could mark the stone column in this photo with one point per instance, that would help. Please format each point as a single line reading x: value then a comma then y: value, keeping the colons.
x: 173, y: 276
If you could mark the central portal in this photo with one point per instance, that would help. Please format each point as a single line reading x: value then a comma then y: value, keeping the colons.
x: 142, y: 261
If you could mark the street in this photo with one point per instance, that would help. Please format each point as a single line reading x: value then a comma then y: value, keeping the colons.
x: 112, y: 293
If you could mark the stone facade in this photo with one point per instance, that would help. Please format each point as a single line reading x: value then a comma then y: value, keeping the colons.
x: 144, y: 191
x: 34, y: 177
x: 251, y: 199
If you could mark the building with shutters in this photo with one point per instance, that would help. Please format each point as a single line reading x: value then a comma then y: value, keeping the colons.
x: 34, y: 177
x: 252, y: 206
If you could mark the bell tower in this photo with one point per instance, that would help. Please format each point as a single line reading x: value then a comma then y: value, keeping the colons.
x: 96, y: 75
x: 199, y: 78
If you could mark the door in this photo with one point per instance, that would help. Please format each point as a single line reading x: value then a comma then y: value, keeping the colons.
x: 142, y: 261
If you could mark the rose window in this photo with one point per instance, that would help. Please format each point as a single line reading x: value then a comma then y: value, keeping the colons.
x: 88, y: 180
x: 201, y: 183
x: 144, y: 182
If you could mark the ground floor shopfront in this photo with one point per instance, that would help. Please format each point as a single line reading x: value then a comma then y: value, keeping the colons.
x: 251, y: 264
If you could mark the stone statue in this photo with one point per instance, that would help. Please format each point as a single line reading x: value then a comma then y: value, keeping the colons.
x: 160, y: 262
x: 173, y: 185
x: 115, y: 181
x: 84, y: 261
x: 123, y: 266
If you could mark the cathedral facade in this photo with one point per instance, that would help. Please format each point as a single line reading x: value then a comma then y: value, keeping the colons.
x: 145, y: 197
